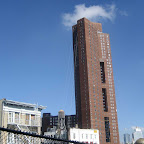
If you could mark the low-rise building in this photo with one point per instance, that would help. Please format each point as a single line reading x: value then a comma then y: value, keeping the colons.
x: 51, y: 132
x: 49, y: 121
x: 20, y: 116
x: 60, y: 130
x: 90, y: 136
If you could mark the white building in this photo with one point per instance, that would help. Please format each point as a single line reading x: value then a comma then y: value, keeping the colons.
x: 51, y: 132
x: 90, y: 136
x: 137, y: 134
x: 20, y: 116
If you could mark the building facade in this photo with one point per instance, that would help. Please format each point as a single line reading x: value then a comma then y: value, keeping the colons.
x: 51, y: 132
x: 60, y: 131
x: 126, y: 138
x: 49, y: 121
x: 137, y: 134
x: 94, y: 82
x: 90, y: 136
x: 20, y: 116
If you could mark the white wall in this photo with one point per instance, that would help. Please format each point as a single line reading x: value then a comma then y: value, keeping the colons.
x: 21, y: 110
x: 22, y: 115
x: 84, y: 135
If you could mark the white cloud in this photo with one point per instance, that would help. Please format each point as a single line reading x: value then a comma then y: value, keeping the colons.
x: 94, y: 13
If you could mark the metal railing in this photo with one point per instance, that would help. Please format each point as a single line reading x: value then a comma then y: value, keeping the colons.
x: 8, y: 136
x: 25, y: 122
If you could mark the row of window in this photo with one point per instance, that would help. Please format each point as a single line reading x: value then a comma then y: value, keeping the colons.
x: 16, y: 117
x: 86, y: 136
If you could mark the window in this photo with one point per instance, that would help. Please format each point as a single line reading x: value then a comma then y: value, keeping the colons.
x: 33, y: 122
x: 102, y: 72
x: 107, y: 129
x: 73, y: 135
x: 86, y: 136
x: 105, y: 105
x: 32, y: 117
x: 27, y: 119
x: 10, y: 117
x: 17, y: 117
x: 91, y: 136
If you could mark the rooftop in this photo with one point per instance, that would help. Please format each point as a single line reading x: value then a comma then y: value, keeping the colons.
x: 11, y: 102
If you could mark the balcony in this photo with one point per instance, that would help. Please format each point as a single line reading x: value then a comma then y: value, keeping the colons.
x: 25, y: 122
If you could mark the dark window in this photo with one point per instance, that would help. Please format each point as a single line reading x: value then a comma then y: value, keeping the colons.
x: 102, y: 72
x: 105, y: 105
x: 107, y: 129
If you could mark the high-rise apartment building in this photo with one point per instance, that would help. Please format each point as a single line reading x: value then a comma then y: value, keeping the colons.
x: 94, y: 82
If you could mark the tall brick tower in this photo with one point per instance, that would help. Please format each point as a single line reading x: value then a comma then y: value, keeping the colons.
x: 94, y: 82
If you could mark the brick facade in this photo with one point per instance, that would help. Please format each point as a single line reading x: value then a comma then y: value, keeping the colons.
x: 94, y: 82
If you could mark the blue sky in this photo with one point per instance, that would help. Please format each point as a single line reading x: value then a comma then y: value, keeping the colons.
x: 36, y: 56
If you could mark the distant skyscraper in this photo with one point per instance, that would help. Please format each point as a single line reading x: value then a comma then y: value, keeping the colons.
x: 137, y: 134
x: 94, y: 82
x: 126, y: 138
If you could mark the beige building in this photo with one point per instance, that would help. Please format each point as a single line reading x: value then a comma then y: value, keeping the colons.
x: 20, y: 116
